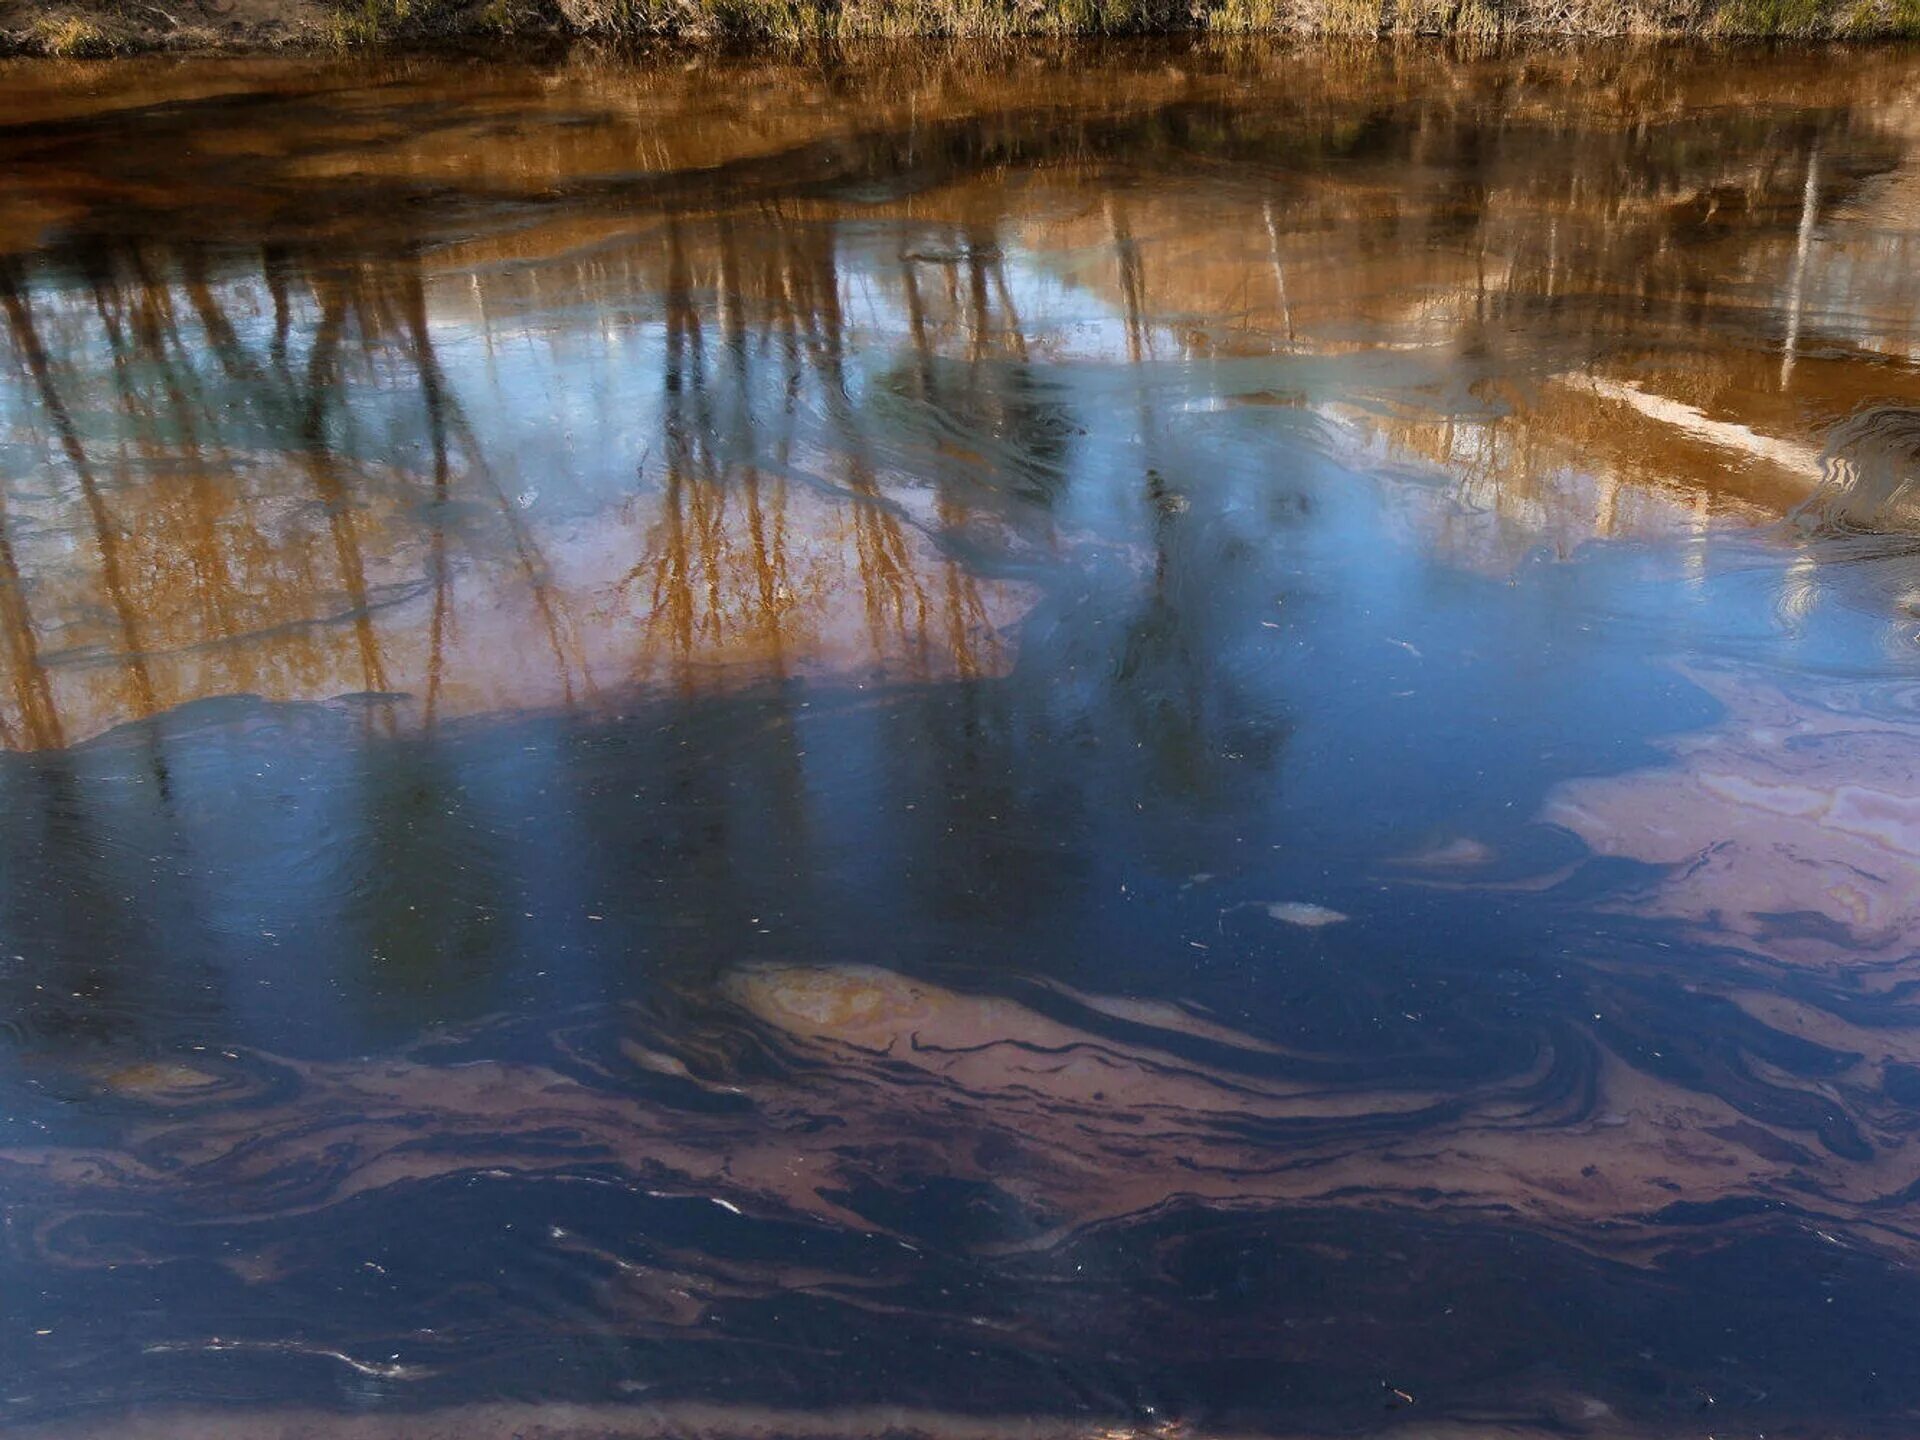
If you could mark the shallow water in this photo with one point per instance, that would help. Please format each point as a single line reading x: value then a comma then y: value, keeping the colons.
x: 1121, y: 740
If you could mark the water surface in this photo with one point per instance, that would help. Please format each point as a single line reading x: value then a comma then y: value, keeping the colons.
x: 1151, y: 740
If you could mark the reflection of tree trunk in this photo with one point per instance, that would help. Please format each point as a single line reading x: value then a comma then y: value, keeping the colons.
x: 917, y: 324
x: 27, y: 339
x: 1803, y: 246
x: 733, y: 318
x: 675, y: 581
x: 39, y: 716
x: 1126, y: 254
x: 987, y: 267
x: 895, y: 599
x: 673, y: 586
x: 154, y: 323
x: 768, y: 546
x: 966, y: 610
x: 977, y: 292
x: 1015, y: 332
x: 701, y: 592
x: 317, y: 457
x: 221, y: 336
x: 273, y: 264
x: 433, y: 399
x: 770, y: 567
x: 1279, y: 271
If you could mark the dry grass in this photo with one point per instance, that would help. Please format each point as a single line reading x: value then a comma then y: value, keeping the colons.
x: 1477, y: 20
x: 86, y: 28
x: 808, y: 20
x: 67, y: 36
x: 1474, y: 20
x: 361, y: 24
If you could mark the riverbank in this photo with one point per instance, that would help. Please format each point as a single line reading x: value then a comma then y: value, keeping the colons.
x: 85, y: 29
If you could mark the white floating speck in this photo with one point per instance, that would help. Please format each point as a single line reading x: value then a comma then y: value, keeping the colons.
x: 1304, y: 912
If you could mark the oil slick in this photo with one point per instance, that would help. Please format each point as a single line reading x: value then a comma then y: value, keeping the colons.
x: 1792, y: 829
x: 985, y: 1090
x: 1137, y: 1125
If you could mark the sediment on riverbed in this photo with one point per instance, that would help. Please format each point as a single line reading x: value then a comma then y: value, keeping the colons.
x: 99, y: 28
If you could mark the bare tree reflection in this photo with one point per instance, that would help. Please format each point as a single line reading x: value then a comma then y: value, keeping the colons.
x: 284, y: 485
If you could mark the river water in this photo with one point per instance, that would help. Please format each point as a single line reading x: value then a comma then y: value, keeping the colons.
x: 1151, y: 740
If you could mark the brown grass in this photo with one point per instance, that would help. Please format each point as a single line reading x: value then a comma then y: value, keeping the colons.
x: 68, y: 36
x: 91, y: 28
x: 1478, y: 20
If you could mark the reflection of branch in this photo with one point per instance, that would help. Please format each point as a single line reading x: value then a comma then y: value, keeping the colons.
x: 27, y: 339
x: 893, y: 594
x: 210, y: 560
x: 433, y: 399
x: 526, y: 550
x: 695, y: 555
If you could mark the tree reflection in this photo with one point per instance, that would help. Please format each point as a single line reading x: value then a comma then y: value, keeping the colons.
x: 786, y: 402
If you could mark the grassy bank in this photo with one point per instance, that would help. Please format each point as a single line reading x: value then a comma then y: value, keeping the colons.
x: 797, y: 19
x: 93, y: 28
